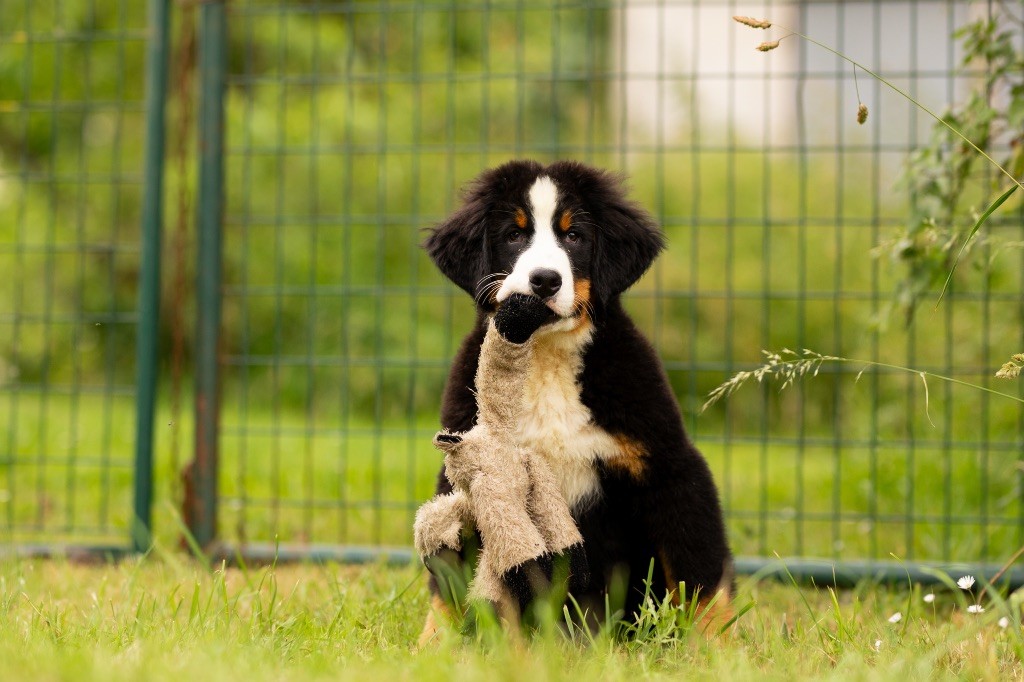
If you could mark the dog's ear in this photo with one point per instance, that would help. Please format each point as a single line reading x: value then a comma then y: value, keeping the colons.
x: 628, y: 241
x: 458, y: 245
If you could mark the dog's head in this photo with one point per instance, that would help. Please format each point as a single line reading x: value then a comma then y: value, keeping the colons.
x: 565, y: 233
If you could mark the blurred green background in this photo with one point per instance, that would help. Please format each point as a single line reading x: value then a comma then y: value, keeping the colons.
x: 350, y: 127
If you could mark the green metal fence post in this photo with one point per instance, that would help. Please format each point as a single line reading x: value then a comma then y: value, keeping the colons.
x: 201, y: 478
x: 147, y: 341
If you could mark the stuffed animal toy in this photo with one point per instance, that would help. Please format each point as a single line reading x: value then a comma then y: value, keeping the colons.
x: 507, y: 492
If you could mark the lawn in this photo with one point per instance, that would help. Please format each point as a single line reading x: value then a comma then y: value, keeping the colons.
x: 166, y: 617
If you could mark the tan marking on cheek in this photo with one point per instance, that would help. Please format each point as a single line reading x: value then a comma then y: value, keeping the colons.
x: 630, y: 457
x: 565, y: 222
x: 581, y: 288
x: 521, y: 218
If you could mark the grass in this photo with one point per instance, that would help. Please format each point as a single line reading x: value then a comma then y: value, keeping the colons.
x: 165, y: 617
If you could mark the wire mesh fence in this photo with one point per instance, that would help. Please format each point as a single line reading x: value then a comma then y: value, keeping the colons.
x: 71, y: 112
x: 350, y: 126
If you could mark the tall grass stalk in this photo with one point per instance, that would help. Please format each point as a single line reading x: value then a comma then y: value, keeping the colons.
x: 786, y: 366
x: 862, y: 116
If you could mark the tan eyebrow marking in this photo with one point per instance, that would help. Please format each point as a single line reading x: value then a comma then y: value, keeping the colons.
x: 521, y: 218
x: 566, y: 221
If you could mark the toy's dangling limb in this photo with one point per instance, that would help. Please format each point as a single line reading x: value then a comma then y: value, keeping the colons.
x: 439, y: 523
x: 495, y: 476
x: 552, y: 516
x: 493, y: 471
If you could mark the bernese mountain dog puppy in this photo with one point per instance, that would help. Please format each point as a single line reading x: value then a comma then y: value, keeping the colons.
x: 598, y: 403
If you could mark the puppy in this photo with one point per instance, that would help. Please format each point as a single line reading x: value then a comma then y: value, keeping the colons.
x: 598, y: 406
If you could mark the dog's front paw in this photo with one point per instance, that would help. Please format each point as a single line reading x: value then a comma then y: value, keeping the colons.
x: 571, y: 564
x: 529, y: 581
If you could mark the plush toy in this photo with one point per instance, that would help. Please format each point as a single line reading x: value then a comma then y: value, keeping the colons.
x: 506, y: 491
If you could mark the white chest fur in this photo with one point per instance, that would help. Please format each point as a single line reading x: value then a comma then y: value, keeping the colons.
x: 555, y: 422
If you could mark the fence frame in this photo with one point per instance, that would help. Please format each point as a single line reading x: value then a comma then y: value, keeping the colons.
x: 148, y: 340
x: 200, y: 504
x: 201, y: 490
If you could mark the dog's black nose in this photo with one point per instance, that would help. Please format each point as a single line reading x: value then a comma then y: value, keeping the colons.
x: 545, y: 283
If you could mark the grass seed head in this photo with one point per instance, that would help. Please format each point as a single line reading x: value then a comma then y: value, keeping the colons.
x: 862, y: 114
x: 767, y: 46
x: 752, y: 22
x: 1012, y: 369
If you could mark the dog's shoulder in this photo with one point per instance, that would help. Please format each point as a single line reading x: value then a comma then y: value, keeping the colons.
x: 624, y: 385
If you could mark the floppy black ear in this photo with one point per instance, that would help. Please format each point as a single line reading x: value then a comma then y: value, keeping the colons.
x: 628, y: 241
x: 457, y: 246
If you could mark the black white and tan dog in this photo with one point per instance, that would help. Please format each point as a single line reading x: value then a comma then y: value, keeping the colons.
x: 598, y: 405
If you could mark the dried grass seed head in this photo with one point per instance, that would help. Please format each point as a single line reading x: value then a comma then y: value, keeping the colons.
x: 1012, y: 368
x: 768, y: 46
x: 862, y: 113
x: 752, y: 22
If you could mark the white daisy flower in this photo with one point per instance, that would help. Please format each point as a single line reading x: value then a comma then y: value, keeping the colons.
x: 1004, y: 622
x: 929, y: 598
x: 896, y: 617
x: 975, y: 608
x: 966, y: 582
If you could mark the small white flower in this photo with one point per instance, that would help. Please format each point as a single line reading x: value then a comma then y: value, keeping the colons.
x: 1004, y: 622
x: 929, y: 598
x: 975, y: 608
x: 966, y: 582
x: 896, y: 617
x: 878, y: 644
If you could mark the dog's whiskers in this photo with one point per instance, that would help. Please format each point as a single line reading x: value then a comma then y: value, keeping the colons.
x: 485, y: 290
x: 582, y: 304
x: 483, y: 279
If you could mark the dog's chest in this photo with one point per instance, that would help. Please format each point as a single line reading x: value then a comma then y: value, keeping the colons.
x: 556, y: 424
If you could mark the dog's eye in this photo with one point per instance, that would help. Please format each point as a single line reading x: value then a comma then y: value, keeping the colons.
x: 572, y: 236
x: 514, y: 237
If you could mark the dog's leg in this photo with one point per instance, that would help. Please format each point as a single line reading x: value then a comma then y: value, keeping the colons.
x: 438, y: 614
x: 714, y: 609
x: 684, y: 520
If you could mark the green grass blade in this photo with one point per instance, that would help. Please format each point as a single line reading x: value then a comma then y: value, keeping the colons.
x: 977, y: 226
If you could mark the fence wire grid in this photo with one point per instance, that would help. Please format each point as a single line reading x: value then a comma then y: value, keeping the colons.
x: 349, y: 127
x: 71, y: 182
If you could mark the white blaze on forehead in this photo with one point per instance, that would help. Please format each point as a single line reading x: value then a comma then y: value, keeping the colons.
x: 543, y: 200
x: 544, y: 251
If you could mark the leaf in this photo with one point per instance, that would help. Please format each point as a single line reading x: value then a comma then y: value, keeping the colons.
x: 977, y: 226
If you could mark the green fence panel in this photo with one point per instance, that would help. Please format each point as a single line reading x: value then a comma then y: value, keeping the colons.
x: 72, y: 117
x: 351, y: 127
x: 324, y: 334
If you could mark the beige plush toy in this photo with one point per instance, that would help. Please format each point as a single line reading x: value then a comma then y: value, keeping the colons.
x: 507, y: 492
